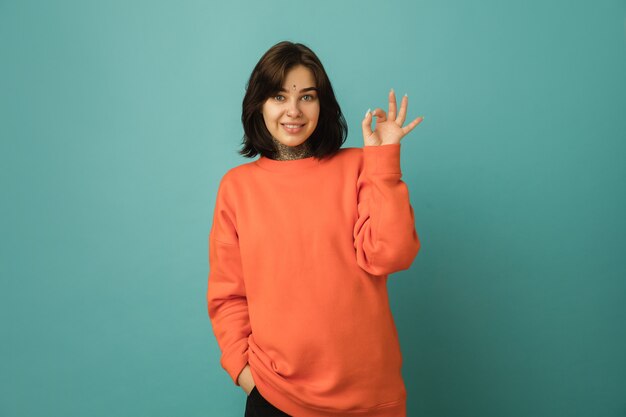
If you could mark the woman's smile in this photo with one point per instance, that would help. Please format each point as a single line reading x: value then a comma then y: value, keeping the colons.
x: 293, y: 128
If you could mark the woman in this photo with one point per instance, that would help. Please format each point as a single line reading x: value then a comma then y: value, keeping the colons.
x: 302, y: 242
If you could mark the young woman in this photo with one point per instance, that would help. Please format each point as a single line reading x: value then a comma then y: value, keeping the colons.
x: 302, y: 243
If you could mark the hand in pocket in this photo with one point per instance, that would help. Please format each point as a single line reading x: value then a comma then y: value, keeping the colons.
x: 245, y: 380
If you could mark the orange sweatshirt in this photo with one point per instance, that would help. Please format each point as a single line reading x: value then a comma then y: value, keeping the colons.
x: 299, y: 253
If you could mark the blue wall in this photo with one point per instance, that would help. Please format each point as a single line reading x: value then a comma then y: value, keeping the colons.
x: 119, y: 118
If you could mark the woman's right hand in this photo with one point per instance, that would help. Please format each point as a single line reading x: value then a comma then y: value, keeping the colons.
x: 245, y: 380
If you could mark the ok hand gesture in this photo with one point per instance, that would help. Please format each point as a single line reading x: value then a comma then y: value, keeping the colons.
x: 389, y: 128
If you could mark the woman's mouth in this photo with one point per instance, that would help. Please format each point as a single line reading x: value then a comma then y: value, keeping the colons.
x: 292, y: 128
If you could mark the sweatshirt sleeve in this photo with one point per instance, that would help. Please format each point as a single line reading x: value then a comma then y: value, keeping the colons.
x: 226, y: 294
x: 384, y: 234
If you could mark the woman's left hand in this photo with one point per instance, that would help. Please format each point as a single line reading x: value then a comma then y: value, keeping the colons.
x: 389, y: 128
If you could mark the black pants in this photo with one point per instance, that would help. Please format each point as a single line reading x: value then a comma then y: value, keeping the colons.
x: 257, y: 406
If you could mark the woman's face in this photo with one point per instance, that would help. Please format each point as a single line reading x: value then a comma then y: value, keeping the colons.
x: 291, y: 115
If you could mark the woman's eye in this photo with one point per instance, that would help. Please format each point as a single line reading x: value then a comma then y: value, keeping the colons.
x: 279, y: 98
x: 310, y: 97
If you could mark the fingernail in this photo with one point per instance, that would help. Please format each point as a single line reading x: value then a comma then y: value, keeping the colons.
x: 392, y: 90
x: 406, y: 95
x: 367, y: 112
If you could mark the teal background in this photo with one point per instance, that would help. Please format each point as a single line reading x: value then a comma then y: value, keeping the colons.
x: 119, y: 118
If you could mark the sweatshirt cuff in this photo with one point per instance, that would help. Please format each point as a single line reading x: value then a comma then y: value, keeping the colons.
x: 382, y: 159
x: 234, y: 363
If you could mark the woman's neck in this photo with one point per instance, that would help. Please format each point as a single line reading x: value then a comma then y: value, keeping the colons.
x: 284, y: 152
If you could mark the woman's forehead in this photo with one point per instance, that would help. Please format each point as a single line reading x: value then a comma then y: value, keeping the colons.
x: 299, y: 75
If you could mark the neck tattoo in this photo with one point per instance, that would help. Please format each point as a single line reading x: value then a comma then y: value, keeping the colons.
x: 284, y: 153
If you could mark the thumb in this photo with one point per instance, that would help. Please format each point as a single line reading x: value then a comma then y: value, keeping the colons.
x: 366, y: 125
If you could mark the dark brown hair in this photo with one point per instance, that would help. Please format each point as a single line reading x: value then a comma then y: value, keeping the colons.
x: 267, y: 79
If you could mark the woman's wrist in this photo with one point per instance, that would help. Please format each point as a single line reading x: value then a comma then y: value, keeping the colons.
x: 245, y: 380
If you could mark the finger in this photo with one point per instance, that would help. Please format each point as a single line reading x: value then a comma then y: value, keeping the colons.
x: 402, y: 115
x: 380, y: 115
x: 392, y: 105
x: 366, y: 125
x: 412, y: 125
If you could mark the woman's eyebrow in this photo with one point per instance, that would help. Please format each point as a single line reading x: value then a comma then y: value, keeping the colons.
x: 304, y: 90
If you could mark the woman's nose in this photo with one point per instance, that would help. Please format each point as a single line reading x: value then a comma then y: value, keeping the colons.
x: 293, y: 110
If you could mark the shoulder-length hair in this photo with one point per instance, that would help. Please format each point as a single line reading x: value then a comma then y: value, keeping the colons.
x: 266, y: 81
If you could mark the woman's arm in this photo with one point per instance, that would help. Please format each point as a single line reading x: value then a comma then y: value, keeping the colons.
x: 226, y: 293
x: 385, y: 239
